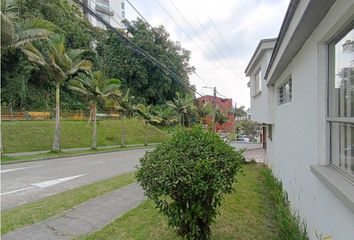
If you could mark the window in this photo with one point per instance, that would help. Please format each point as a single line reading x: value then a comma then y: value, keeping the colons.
x: 341, y: 103
x: 270, y: 132
x: 257, y: 82
x: 285, y: 92
x: 122, y: 5
x: 123, y: 14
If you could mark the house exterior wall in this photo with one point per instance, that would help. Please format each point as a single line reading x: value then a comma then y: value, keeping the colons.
x: 260, y: 109
x: 225, y: 105
x: 299, y: 133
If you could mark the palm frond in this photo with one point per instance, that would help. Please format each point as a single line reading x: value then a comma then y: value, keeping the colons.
x: 7, y: 31
x: 77, y: 86
x: 33, y: 54
x: 31, y: 30
x: 75, y: 54
x: 83, y: 65
x: 9, y: 7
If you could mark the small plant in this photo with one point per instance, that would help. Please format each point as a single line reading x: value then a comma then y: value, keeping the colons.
x: 187, y: 176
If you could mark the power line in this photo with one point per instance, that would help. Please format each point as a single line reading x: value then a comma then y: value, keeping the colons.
x: 138, y: 49
x: 142, y: 17
x: 191, y: 26
x: 215, y: 45
x: 195, y: 32
x: 156, y: 30
x: 185, y: 33
x: 224, y: 41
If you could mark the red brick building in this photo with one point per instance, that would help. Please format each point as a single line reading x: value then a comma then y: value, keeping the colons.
x: 225, y: 105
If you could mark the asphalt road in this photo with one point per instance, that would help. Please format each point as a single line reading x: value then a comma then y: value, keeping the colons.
x: 26, y: 182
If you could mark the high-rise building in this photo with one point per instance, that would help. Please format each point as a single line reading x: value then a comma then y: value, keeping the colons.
x: 112, y: 11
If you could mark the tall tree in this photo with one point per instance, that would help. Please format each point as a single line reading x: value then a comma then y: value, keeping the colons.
x: 62, y: 64
x: 145, y: 112
x: 147, y: 82
x: 125, y: 106
x: 167, y: 115
x: 203, y: 110
x: 184, y: 106
x: 98, y: 88
x: 220, y: 117
x: 16, y: 32
x: 239, y: 112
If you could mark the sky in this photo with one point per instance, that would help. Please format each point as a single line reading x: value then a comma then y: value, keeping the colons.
x: 219, y: 53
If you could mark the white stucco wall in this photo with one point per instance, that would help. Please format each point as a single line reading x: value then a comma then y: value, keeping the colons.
x: 259, y: 103
x: 299, y: 133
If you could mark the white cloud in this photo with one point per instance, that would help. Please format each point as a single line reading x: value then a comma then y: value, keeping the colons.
x: 241, y: 23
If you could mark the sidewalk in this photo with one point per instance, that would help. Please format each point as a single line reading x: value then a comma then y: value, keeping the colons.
x: 85, y: 218
x: 75, y: 149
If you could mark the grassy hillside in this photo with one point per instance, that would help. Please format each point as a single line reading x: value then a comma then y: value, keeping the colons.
x: 23, y: 136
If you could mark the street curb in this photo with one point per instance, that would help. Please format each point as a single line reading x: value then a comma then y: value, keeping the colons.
x: 76, y: 155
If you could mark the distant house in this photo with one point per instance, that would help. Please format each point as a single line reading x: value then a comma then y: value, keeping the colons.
x: 225, y: 105
x: 302, y: 91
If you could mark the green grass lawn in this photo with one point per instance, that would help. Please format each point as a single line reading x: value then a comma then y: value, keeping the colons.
x: 243, y: 216
x: 40, y: 210
x: 23, y: 136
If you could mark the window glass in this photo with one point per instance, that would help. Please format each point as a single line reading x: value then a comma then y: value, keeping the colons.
x: 342, y: 146
x: 341, y: 103
x: 285, y: 92
x: 341, y: 83
x: 257, y: 83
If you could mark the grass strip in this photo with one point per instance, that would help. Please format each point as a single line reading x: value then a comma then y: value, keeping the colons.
x: 50, y: 155
x: 241, y: 216
x: 40, y: 210
x: 26, y: 136
x: 286, y: 224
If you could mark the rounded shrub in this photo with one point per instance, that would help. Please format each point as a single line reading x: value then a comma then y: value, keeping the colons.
x: 187, y: 176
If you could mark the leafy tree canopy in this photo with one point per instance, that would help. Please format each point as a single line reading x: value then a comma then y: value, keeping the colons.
x: 149, y: 83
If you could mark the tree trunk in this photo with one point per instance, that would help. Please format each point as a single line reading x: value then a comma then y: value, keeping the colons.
x: 56, y: 143
x: 94, y: 131
x: 123, y: 131
x: 182, y: 124
x: 145, y: 133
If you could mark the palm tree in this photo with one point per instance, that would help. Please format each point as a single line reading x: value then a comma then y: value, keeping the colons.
x: 184, y: 106
x: 220, y: 117
x: 167, y: 115
x: 126, y: 108
x: 98, y: 88
x: 15, y: 32
x: 145, y: 114
x: 203, y: 110
x: 62, y: 64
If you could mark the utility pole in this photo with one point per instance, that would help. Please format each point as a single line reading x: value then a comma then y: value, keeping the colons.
x: 214, y: 106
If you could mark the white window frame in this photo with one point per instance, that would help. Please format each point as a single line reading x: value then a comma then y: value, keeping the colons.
x: 257, y: 82
x: 286, y: 95
x: 334, y: 133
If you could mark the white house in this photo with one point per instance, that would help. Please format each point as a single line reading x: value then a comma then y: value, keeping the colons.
x: 302, y: 90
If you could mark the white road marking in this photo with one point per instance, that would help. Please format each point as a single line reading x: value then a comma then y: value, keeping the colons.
x: 56, y: 181
x: 44, y: 184
x: 16, y: 169
x: 15, y: 191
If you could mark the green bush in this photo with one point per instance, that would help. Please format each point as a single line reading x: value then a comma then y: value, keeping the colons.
x: 187, y: 176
